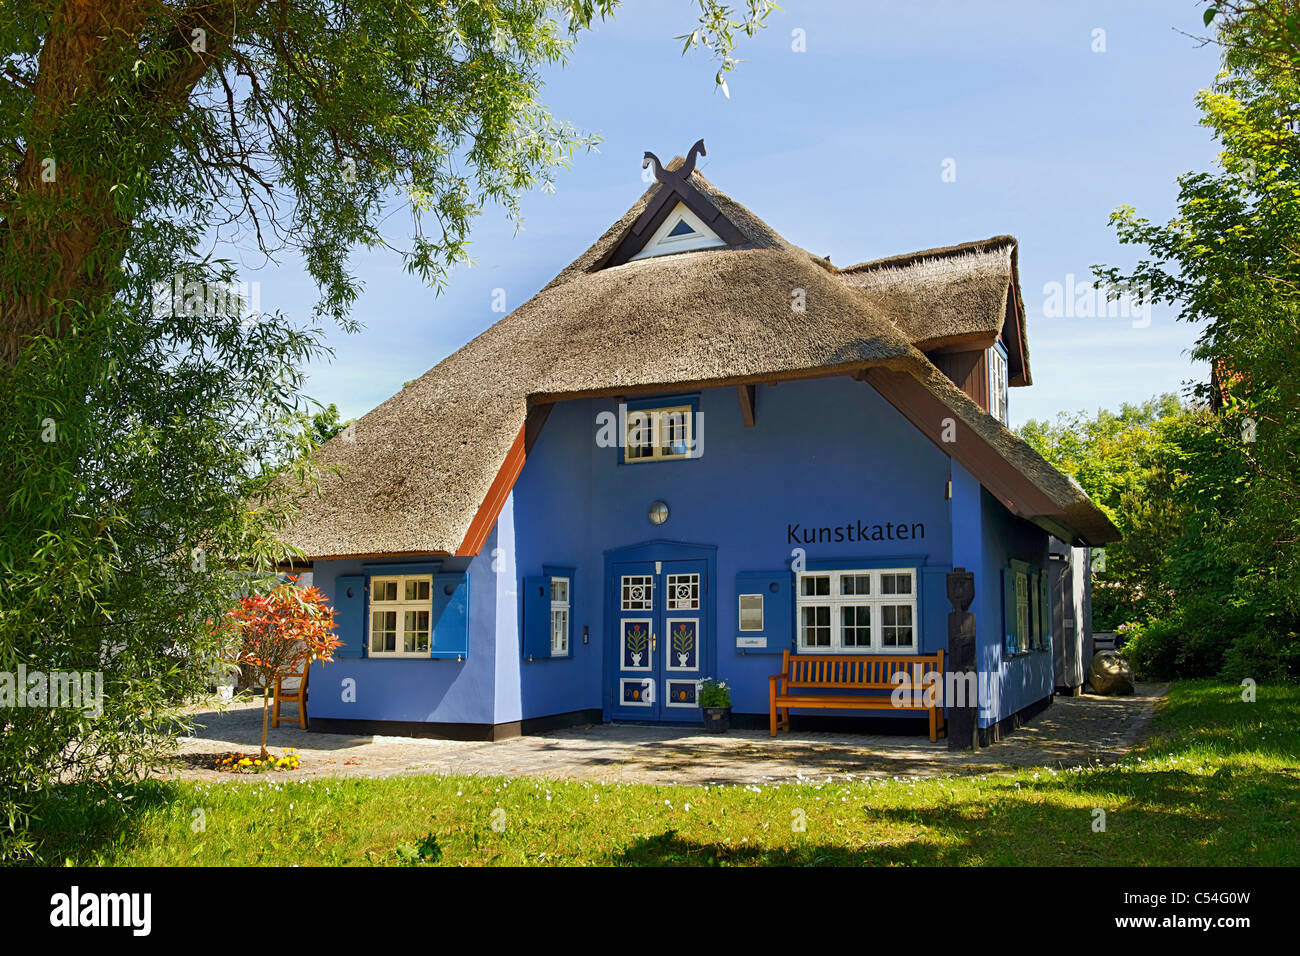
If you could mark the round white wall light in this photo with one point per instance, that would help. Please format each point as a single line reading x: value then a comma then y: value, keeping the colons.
x: 658, y: 512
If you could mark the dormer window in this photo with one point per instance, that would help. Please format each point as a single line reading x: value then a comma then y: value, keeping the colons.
x: 681, y: 231
x: 998, y: 382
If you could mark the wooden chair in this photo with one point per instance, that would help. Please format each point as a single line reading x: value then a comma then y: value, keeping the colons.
x: 292, y: 688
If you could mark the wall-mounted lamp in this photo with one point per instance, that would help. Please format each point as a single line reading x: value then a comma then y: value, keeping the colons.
x: 658, y: 512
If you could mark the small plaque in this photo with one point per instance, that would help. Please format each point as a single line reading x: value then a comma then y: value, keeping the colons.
x: 744, y: 641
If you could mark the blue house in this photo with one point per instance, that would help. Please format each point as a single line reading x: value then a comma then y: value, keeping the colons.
x: 698, y: 447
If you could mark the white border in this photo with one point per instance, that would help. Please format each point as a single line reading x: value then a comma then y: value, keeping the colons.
x: 661, y: 243
x: 876, y: 599
x: 668, y: 644
x: 622, y: 645
x: 648, y: 682
x: 668, y: 693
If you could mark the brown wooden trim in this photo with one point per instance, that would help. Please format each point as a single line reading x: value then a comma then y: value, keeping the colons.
x: 1017, y: 367
x: 533, y: 424
x: 923, y: 409
x: 747, y: 394
x: 658, y: 209
x: 490, y: 509
x: 956, y: 343
x: 969, y: 371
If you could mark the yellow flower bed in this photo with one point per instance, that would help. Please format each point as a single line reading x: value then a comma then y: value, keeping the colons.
x: 245, y: 763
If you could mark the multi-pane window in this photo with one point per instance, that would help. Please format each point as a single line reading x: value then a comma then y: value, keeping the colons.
x: 559, y: 617
x: 1022, y: 611
x: 683, y: 592
x: 997, y: 384
x: 856, y: 611
x: 638, y: 592
x: 657, y: 434
x: 400, y: 609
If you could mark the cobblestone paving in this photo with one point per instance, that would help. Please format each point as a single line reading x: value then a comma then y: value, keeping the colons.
x: 1072, y: 732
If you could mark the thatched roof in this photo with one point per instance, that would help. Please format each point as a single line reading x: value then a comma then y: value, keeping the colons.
x: 947, y: 297
x: 413, y: 473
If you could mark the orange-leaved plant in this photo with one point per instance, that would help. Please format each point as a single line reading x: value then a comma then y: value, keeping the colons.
x: 276, y: 632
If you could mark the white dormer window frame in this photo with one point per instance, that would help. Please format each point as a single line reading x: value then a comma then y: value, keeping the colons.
x: 997, y: 363
x: 664, y: 242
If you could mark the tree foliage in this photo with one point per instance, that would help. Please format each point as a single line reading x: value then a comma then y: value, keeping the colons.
x: 276, y: 632
x: 147, y: 408
x: 1229, y: 260
x: 1126, y: 463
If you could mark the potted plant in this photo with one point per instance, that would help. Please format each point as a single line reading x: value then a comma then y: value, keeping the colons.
x: 715, y: 701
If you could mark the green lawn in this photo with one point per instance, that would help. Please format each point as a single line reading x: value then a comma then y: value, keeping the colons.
x: 1217, y: 786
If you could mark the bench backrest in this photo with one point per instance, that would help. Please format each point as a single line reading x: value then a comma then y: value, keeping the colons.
x: 858, y: 670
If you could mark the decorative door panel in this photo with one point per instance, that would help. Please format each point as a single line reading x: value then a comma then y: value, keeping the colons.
x: 660, y: 643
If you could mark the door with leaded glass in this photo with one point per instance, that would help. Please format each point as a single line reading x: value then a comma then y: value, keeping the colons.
x: 659, y: 643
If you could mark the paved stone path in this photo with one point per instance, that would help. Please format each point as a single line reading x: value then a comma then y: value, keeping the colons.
x: 1074, y: 731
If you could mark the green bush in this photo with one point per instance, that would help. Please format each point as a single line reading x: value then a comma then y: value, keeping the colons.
x: 1267, y: 656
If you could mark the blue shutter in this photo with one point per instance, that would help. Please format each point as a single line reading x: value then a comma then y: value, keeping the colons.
x: 1009, y: 611
x: 537, y: 617
x: 450, y: 616
x: 1044, y: 610
x: 933, y: 607
x: 350, y: 617
x: 778, y: 610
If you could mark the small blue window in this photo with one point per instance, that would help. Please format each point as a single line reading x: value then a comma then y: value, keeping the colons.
x: 662, y: 430
x: 683, y: 228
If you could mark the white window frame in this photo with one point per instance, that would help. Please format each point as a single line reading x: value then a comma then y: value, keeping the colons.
x: 997, y: 364
x: 400, y: 606
x: 875, y: 600
x: 658, y: 418
x: 561, y: 607
x: 1024, y: 608
x: 661, y: 243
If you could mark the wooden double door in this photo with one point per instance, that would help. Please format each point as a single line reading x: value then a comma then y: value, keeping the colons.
x: 660, y: 643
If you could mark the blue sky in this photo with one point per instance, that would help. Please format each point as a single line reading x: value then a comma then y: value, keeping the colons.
x: 841, y: 149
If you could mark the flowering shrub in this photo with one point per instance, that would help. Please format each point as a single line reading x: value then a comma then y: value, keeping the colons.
x: 275, y: 633
x: 245, y: 763
x: 715, y: 693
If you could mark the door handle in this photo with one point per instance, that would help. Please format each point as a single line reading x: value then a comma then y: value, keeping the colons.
x: 654, y: 642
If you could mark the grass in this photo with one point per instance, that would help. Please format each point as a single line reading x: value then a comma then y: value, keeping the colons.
x: 1216, y: 785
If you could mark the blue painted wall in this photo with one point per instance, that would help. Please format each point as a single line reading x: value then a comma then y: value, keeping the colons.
x: 442, y: 691
x: 823, y: 453
x: 1025, y: 678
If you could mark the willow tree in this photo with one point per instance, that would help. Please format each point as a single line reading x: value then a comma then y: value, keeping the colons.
x: 143, y: 399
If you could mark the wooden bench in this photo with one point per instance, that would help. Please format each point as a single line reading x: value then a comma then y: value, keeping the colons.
x: 861, y: 673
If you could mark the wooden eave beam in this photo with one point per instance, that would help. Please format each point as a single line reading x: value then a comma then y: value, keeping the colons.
x: 747, y: 395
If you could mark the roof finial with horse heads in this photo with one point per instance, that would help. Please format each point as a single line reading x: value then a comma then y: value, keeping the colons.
x: 667, y: 176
